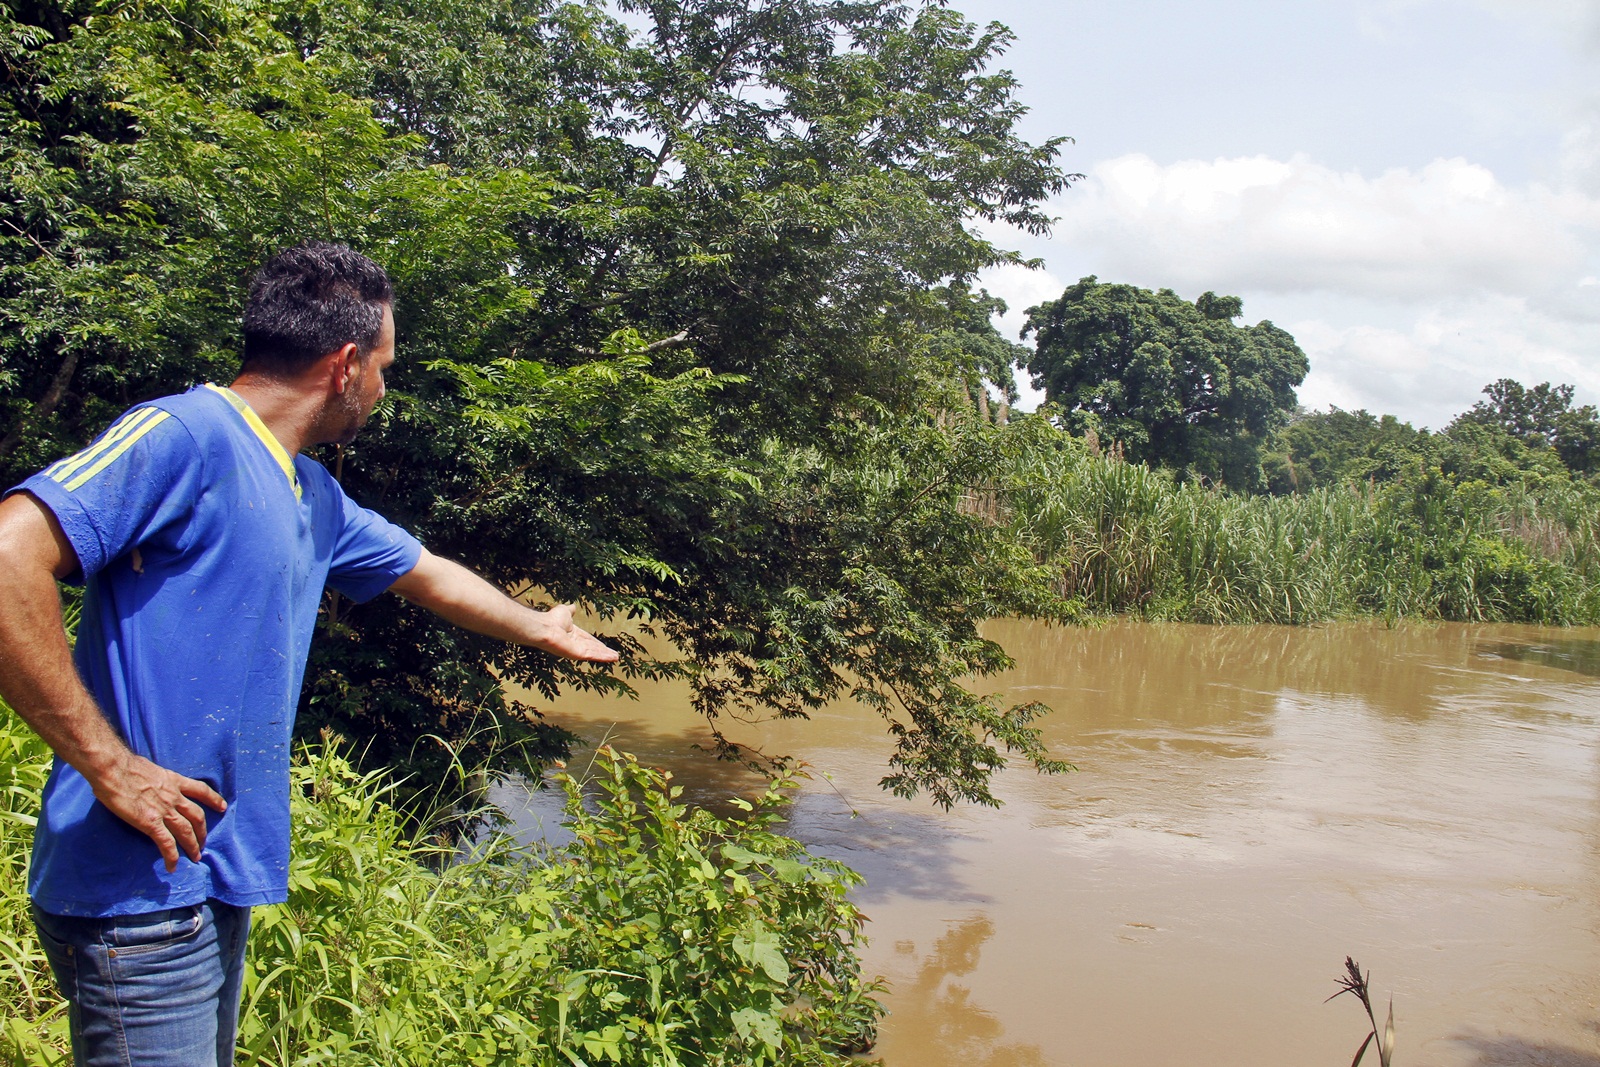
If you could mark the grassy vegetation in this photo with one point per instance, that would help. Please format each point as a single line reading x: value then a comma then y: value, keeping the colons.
x: 33, y: 1019
x: 1128, y: 539
x: 659, y: 936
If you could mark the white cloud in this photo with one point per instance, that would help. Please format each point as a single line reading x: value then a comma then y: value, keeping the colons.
x: 1265, y: 225
x: 1580, y: 19
x: 1576, y: 20
x: 1578, y: 156
x: 1409, y: 291
x: 1437, y: 367
x: 1021, y: 288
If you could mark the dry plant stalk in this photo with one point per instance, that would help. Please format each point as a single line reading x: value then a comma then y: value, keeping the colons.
x: 1354, y: 982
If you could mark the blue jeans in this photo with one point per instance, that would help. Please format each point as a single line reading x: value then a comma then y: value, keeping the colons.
x: 160, y: 988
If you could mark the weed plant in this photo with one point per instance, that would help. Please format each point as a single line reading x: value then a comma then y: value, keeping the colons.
x: 660, y: 936
x: 1356, y: 982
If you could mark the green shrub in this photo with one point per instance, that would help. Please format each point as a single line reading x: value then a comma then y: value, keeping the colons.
x: 659, y: 935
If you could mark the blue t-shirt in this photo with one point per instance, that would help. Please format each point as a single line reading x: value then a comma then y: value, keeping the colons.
x: 204, y: 550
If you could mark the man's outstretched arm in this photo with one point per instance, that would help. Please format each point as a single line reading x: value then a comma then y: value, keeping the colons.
x: 39, y: 681
x: 452, y: 592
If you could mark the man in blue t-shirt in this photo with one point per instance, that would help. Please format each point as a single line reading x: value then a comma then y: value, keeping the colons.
x: 204, y: 540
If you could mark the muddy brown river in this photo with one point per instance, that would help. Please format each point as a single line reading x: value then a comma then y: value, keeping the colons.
x: 1252, y: 805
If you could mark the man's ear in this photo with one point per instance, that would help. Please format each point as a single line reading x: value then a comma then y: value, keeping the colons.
x: 344, y: 367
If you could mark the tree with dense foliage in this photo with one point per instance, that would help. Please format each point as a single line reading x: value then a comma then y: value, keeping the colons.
x: 684, y: 303
x: 1175, y: 384
x: 1519, y: 436
x: 1321, y: 448
x: 1543, y: 417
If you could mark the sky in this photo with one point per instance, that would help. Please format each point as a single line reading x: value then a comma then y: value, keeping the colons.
x: 1409, y: 187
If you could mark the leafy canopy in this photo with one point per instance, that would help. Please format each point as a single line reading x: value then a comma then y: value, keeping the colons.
x: 1322, y: 448
x: 1175, y: 384
x: 683, y: 301
x: 1519, y: 437
x: 1543, y: 417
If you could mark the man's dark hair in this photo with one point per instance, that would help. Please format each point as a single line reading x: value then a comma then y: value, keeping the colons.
x: 310, y: 300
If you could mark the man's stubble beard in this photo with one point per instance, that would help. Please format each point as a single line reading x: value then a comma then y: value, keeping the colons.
x: 355, y: 418
x: 343, y: 418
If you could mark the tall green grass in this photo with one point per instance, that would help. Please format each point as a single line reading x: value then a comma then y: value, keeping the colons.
x: 33, y: 1020
x: 659, y: 936
x: 1126, y: 539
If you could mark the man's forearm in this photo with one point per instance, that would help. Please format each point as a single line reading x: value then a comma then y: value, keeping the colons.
x: 40, y: 683
x: 455, y: 593
x: 37, y: 676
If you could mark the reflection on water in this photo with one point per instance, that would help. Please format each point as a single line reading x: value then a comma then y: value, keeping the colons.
x: 1565, y: 653
x: 938, y: 1007
x: 1253, y: 804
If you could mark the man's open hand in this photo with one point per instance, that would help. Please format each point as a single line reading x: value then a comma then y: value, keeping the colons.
x: 563, y: 638
x: 160, y: 804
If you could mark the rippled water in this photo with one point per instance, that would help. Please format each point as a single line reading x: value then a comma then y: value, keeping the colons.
x: 1252, y: 805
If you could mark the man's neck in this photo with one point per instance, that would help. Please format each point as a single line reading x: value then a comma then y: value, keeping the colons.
x: 287, y: 409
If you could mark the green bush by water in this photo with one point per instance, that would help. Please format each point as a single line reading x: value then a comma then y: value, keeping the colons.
x: 1127, y: 539
x: 659, y: 936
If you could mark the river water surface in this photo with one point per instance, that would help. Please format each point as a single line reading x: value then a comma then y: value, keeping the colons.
x: 1252, y: 805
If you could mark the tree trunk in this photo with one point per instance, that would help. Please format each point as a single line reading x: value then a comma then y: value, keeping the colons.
x: 47, y: 403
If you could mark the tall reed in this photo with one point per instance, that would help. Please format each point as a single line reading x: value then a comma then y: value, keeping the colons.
x: 1126, y: 539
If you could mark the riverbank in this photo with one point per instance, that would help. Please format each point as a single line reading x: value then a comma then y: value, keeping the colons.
x: 658, y: 935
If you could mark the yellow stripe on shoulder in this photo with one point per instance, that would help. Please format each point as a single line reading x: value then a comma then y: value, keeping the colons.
x: 127, y: 442
x: 274, y: 447
x: 63, y: 469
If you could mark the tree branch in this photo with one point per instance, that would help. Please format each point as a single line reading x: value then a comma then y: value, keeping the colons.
x: 24, y: 233
x: 678, y: 340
